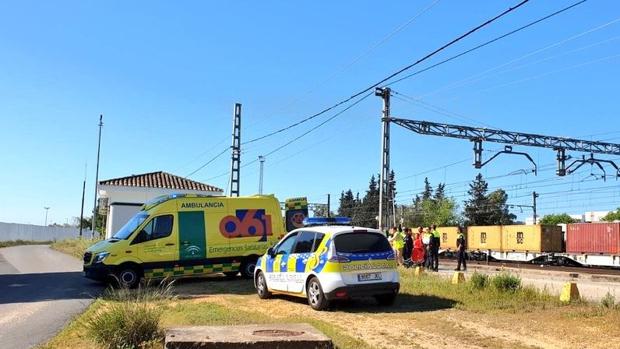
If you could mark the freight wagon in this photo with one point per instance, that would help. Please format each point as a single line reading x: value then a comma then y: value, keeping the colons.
x: 588, y: 244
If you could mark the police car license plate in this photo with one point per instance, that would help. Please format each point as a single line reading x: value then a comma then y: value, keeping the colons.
x: 368, y: 276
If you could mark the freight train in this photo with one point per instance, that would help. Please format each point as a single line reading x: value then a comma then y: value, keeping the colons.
x: 580, y: 244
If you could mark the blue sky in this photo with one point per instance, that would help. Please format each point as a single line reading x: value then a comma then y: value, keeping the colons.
x: 166, y: 75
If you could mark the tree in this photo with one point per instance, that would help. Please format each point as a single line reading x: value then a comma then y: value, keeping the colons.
x: 367, y: 209
x: 428, y: 190
x: 612, y: 216
x: 499, y: 212
x: 483, y: 209
x: 347, y: 204
x: 476, y: 208
x: 555, y: 219
x: 428, y: 209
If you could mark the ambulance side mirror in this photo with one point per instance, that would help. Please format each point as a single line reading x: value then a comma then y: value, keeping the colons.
x: 140, y: 237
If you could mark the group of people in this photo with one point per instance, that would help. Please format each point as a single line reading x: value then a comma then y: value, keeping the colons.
x: 422, y: 247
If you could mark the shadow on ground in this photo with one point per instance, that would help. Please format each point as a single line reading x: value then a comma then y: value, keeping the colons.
x: 405, y: 303
x: 36, y: 287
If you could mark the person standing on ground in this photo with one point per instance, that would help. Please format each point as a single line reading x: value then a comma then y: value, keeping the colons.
x: 408, y: 246
x: 460, y: 247
x: 398, y: 243
x: 418, y: 255
x: 427, y: 240
x: 436, y: 239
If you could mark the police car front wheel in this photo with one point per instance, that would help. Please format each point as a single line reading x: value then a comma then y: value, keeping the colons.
x: 316, y: 297
x: 261, y: 286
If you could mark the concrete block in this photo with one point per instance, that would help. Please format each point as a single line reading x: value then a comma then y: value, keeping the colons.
x: 569, y: 293
x: 458, y: 278
x: 281, y: 336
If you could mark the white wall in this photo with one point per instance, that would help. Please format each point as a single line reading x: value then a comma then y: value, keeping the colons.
x: 121, y: 214
x: 14, y: 231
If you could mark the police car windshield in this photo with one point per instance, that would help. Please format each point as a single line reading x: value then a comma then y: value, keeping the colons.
x: 359, y: 242
x: 130, y: 226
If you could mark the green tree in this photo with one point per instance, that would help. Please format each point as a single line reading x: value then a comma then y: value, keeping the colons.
x: 612, y: 216
x: 499, y: 212
x: 476, y: 208
x: 555, y: 219
x: 367, y: 209
x: 347, y: 204
x: 428, y: 190
x: 486, y: 209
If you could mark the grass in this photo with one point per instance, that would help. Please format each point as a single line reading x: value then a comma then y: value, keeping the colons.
x: 472, y: 297
x: 429, y: 299
x: 22, y: 242
x: 73, y: 247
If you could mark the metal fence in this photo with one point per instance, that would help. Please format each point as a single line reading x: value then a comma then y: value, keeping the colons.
x: 14, y: 231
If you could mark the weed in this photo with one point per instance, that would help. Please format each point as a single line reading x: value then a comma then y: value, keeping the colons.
x: 506, y: 282
x: 478, y: 280
x: 74, y: 247
x: 609, y: 301
x: 22, y: 242
x: 132, y: 319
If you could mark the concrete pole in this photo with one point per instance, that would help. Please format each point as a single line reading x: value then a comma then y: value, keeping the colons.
x: 94, y: 221
x: 385, y: 150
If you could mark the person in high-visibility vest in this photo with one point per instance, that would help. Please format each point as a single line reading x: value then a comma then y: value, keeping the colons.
x: 435, y: 243
x: 460, y: 247
x: 398, y: 243
x: 427, y: 240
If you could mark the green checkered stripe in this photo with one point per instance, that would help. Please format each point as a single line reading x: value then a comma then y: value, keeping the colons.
x: 190, y: 270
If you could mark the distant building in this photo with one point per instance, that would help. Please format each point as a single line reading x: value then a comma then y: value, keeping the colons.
x: 587, y: 217
x: 122, y: 197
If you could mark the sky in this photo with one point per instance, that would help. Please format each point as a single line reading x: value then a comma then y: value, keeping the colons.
x: 166, y: 75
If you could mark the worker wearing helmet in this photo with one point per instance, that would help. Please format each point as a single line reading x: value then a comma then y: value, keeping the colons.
x: 460, y: 248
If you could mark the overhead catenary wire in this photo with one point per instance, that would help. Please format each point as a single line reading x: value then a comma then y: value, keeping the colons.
x: 398, y: 72
x: 486, y: 43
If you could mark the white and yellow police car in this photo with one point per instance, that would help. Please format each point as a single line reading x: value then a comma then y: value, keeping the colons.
x: 325, y: 262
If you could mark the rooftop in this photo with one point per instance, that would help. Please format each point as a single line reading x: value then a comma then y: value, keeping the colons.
x: 159, y: 179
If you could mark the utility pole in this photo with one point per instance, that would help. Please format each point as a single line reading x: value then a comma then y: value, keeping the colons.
x: 535, y: 195
x: 235, y: 167
x: 384, y: 93
x: 393, y: 197
x: 83, y: 194
x: 94, y: 221
x: 261, y: 159
x: 46, y: 208
x: 328, y: 205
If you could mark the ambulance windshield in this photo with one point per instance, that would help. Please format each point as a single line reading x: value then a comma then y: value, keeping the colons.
x: 130, y: 226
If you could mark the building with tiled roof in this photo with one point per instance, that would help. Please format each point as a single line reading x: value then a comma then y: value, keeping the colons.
x: 122, y: 197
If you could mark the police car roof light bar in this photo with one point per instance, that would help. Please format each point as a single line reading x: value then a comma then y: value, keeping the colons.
x: 310, y: 221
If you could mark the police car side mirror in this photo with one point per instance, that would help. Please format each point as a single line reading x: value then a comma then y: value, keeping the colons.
x: 270, y: 252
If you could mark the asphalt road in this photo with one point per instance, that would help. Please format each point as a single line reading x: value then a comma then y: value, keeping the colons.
x: 41, y: 290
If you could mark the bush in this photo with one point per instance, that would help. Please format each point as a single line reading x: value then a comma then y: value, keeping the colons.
x: 506, y: 282
x: 132, y: 319
x: 609, y: 301
x: 479, y: 281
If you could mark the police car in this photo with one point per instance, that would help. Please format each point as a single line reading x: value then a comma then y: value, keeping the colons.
x: 327, y: 260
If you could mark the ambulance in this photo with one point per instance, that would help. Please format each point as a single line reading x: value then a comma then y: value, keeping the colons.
x: 327, y: 260
x: 183, y: 235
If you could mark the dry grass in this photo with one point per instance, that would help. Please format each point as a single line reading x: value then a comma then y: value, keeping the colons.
x: 22, y: 242
x: 429, y: 313
x: 74, y: 247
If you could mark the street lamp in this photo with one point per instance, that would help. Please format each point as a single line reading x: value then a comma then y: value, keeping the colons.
x: 46, y: 208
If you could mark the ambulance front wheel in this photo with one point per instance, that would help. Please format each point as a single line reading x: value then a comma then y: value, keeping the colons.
x: 128, y: 277
x: 261, y: 286
x: 316, y: 297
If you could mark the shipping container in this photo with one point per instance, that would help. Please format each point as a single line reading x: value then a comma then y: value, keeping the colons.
x: 484, y: 238
x: 593, y: 238
x: 448, y: 237
x: 532, y: 238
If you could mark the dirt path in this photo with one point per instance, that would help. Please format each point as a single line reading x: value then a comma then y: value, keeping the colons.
x: 427, y: 322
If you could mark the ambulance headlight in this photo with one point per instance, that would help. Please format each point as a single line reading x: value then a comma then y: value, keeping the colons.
x: 100, y: 257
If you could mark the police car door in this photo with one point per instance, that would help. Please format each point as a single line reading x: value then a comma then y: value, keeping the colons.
x: 303, y: 254
x: 276, y: 269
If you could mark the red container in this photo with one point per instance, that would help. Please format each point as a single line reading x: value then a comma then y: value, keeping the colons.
x: 593, y: 238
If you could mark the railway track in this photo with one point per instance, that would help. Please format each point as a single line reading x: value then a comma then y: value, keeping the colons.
x: 539, y: 266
